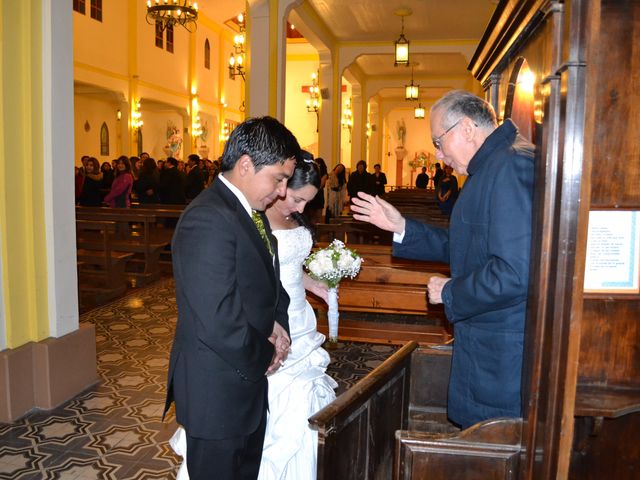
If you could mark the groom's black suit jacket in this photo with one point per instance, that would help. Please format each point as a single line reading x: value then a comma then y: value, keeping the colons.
x: 229, y: 295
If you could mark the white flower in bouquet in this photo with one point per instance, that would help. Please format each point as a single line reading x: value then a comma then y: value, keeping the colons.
x: 333, y: 263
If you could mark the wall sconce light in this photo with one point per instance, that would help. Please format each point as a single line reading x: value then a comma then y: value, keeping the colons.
x: 402, y: 44
x: 411, y: 91
x: 196, y: 128
x: 418, y: 112
x: 347, y: 117
x: 226, y: 131
x: 136, y: 116
x: 118, y: 114
x: 313, y: 102
x: 236, y: 59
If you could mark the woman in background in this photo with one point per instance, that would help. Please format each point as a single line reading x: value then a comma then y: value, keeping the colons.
x: 91, y: 193
x: 447, y: 191
x: 148, y: 182
x: 315, y: 206
x: 107, y: 176
x: 120, y: 193
x: 337, y: 191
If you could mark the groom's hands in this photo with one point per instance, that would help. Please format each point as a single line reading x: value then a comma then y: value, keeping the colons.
x: 282, y: 343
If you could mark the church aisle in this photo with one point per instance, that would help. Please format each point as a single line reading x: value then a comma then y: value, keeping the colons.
x: 114, y: 429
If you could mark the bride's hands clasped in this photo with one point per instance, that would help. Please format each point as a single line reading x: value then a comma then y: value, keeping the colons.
x: 282, y: 343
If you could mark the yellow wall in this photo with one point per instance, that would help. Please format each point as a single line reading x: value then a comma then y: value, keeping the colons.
x: 22, y: 223
x: 103, y: 43
x: 301, y: 123
x: 120, y: 57
x: 87, y: 127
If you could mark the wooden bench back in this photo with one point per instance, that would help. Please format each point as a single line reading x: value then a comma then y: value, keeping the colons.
x: 356, y: 431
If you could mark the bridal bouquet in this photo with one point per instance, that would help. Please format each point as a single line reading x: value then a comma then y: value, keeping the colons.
x: 330, y: 265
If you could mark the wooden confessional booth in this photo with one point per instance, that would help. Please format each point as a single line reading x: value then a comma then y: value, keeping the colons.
x: 568, y: 74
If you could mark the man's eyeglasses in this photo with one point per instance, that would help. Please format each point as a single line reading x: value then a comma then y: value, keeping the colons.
x: 437, y: 142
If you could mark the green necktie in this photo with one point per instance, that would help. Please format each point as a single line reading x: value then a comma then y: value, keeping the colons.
x: 257, y: 219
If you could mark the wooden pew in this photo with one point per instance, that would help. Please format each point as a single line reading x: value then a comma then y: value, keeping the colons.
x: 137, y: 232
x: 355, y: 432
x: 431, y: 447
x: 393, y: 423
x: 101, y: 269
x: 167, y: 216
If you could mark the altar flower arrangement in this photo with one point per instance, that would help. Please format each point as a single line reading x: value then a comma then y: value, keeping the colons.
x: 419, y: 161
x: 330, y: 265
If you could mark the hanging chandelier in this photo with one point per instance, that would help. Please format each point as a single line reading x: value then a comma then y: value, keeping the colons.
x: 236, y: 58
x: 401, y: 49
x: 419, y: 112
x: 166, y: 13
x: 411, y: 91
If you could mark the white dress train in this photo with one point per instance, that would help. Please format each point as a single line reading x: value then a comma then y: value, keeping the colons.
x: 300, y: 387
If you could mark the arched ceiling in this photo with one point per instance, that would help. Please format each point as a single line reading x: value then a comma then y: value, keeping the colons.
x: 443, y: 35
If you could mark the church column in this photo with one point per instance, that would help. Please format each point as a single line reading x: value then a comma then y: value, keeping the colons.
x: 45, y: 357
x: 262, y: 48
x: 266, y: 56
x: 132, y: 60
x: 194, y: 108
x: 358, y: 147
x: 329, y: 121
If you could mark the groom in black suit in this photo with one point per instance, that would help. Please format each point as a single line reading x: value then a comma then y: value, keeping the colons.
x: 232, y: 309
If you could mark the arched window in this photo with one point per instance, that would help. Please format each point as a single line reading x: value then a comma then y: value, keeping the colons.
x: 159, y: 36
x: 79, y: 6
x: 104, y: 140
x: 169, y: 31
x: 207, y: 55
x: 96, y: 10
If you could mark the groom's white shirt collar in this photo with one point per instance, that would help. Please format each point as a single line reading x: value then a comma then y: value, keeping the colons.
x: 236, y: 191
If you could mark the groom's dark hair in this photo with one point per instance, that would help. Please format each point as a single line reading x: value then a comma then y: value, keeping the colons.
x: 264, y: 139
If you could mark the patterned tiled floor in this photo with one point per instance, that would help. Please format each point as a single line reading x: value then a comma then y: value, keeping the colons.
x: 114, y: 429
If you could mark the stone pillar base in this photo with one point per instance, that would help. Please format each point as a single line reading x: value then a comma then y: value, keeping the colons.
x: 45, y: 374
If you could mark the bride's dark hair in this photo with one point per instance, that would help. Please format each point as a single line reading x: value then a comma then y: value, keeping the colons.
x: 305, y: 173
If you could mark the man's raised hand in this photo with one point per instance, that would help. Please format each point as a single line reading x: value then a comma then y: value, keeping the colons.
x: 378, y: 212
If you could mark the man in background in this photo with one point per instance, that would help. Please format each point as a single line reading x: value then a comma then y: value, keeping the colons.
x: 195, y: 177
x: 422, y: 180
x: 360, y: 180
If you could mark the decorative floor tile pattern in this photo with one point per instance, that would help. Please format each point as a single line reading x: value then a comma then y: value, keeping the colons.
x: 113, y: 431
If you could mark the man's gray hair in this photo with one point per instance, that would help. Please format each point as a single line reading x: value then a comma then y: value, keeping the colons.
x: 457, y: 104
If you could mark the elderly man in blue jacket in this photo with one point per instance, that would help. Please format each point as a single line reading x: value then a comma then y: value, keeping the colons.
x: 488, y: 248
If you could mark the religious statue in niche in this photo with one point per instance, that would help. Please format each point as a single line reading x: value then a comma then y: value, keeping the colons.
x: 402, y: 132
x: 174, y: 140
x: 203, y: 149
x: 401, y: 152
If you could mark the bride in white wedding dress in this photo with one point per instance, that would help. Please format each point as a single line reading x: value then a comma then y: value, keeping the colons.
x: 300, y: 387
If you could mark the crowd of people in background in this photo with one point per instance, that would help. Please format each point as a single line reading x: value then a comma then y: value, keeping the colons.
x: 174, y: 182
x: 142, y: 179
